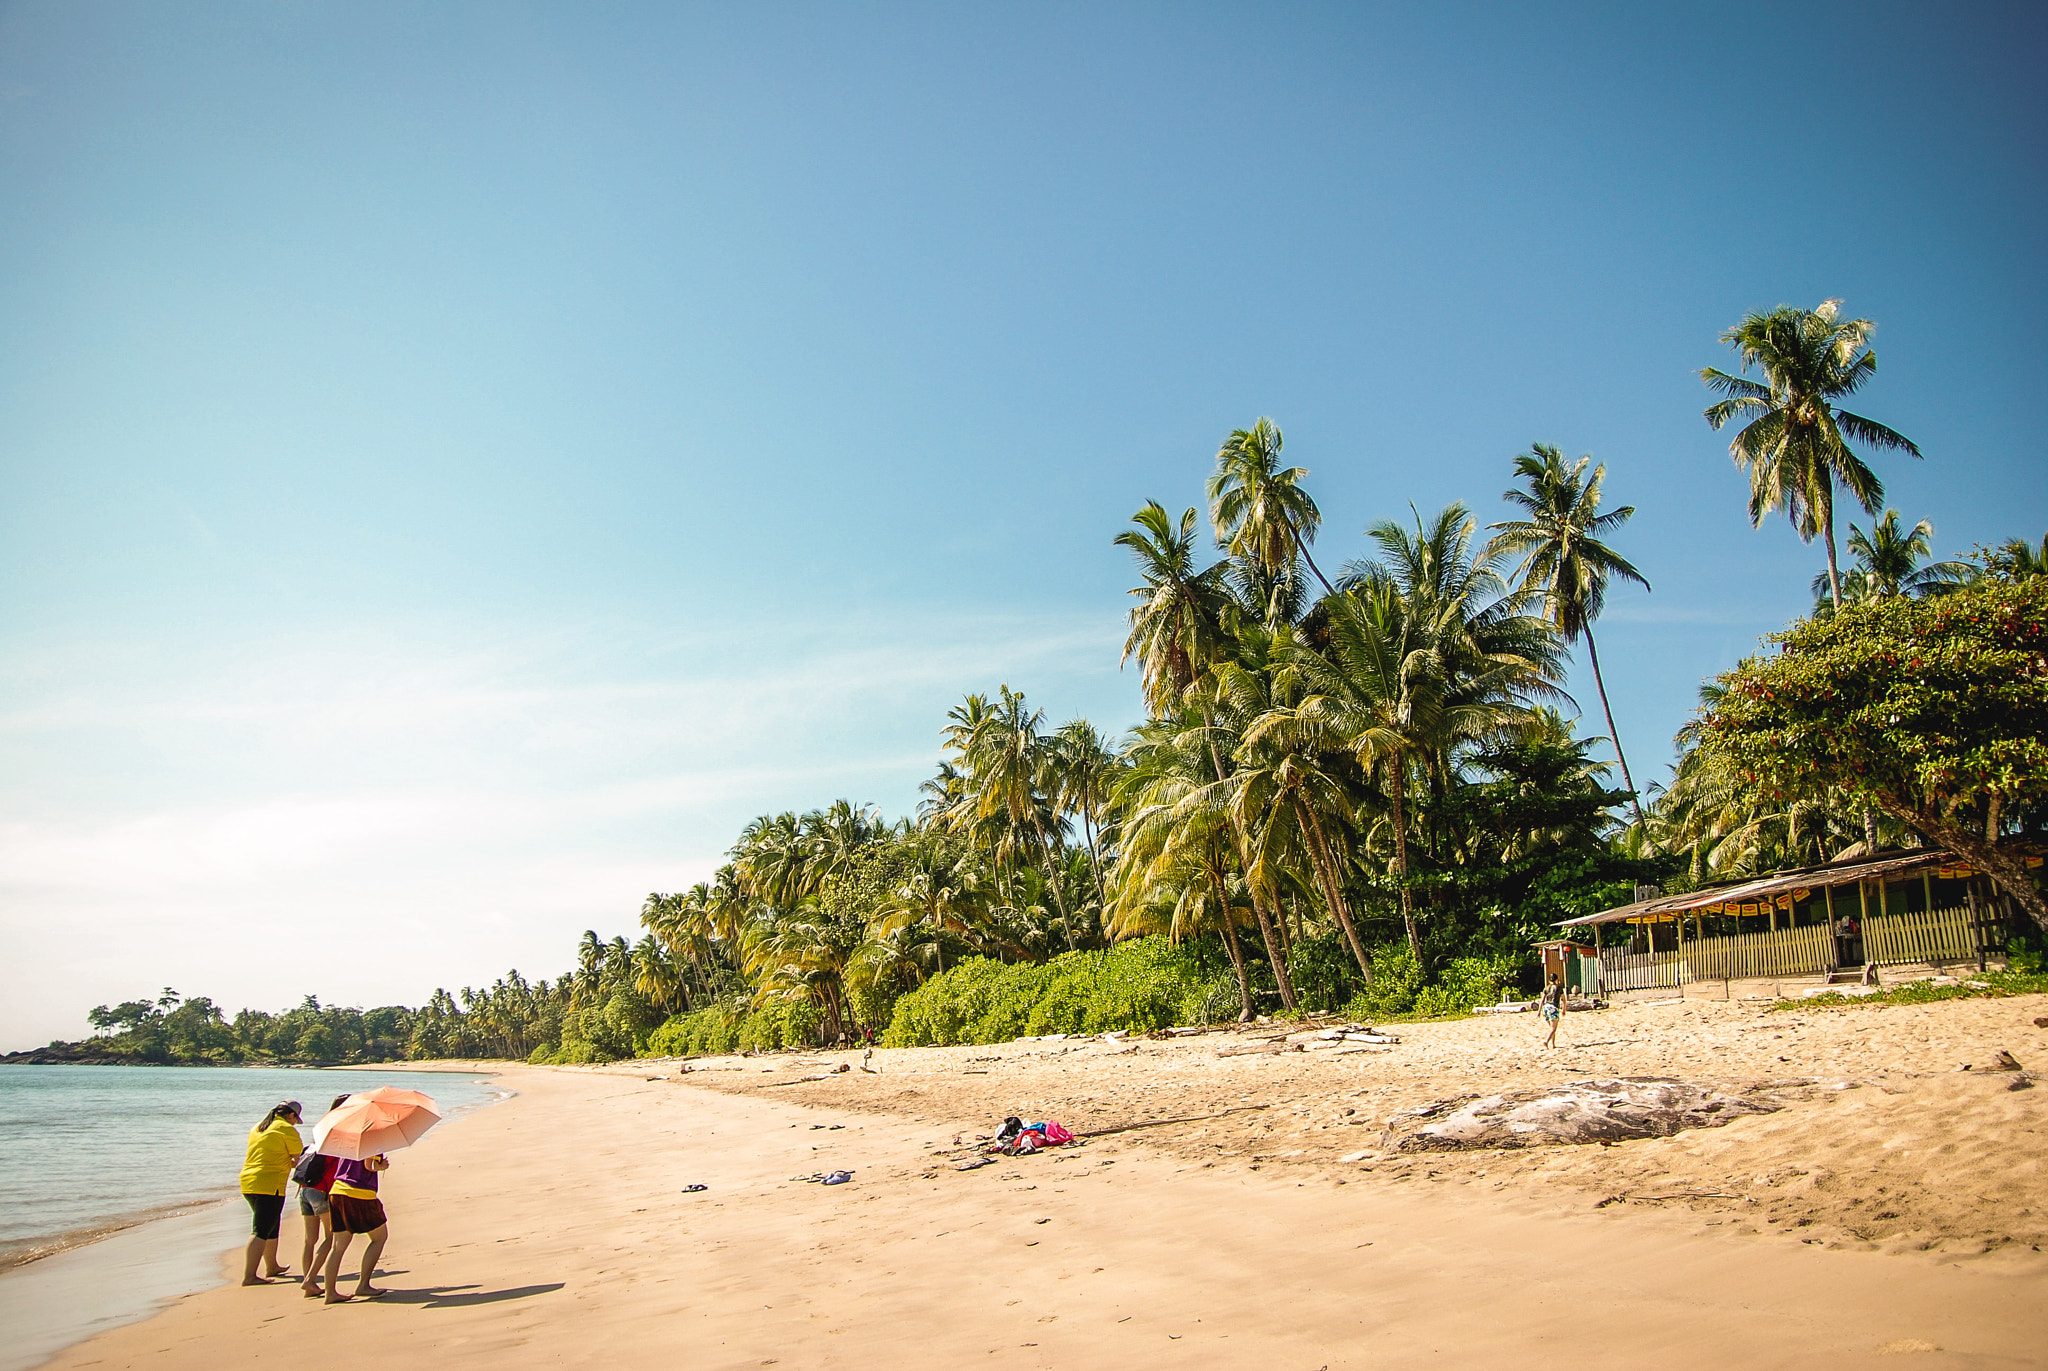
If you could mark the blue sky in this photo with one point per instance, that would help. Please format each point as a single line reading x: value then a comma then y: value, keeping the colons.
x: 462, y: 461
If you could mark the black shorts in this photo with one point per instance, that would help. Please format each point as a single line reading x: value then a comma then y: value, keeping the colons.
x: 266, y: 1210
x: 352, y: 1215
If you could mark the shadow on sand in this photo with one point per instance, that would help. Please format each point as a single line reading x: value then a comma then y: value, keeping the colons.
x: 460, y: 1296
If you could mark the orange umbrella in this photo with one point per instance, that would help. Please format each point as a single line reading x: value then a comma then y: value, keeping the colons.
x: 373, y: 1121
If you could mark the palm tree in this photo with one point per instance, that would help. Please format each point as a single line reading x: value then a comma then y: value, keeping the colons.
x: 1178, y: 618
x: 1175, y: 861
x: 1177, y: 630
x: 2018, y: 560
x: 1563, y: 558
x: 1285, y: 790
x: 1892, y: 561
x: 1259, y: 509
x: 1426, y: 651
x: 1795, y: 444
x: 1082, y: 768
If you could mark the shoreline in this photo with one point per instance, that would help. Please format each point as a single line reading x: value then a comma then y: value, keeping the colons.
x: 32, y: 1250
x: 63, y: 1289
x: 28, y: 1251
x: 555, y: 1229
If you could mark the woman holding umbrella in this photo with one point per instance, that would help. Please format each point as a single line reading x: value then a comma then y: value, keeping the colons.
x: 354, y: 1208
x: 358, y: 1133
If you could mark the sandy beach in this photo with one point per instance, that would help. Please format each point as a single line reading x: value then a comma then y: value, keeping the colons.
x: 1890, y: 1205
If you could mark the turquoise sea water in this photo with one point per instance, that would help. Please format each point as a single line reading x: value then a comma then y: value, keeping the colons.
x: 84, y: 1148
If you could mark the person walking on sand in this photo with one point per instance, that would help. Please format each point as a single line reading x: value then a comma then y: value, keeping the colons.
x: 314, y: 1174
x: 274, y: 1144
x: 1553, y: 1008
x: 353, y: 1207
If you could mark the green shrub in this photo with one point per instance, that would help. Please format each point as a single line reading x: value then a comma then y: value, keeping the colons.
x: 1399, y: 988
x: 1396, y: 977
x: 1139, y: 985
x: 730, y: 1027
x: 1324, y: 973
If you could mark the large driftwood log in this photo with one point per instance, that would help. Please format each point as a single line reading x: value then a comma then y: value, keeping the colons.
x: 1575, y: 1112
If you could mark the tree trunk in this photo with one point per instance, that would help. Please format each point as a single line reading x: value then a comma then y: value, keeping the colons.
x: 1613, y: 734
x: 1327, y: 587
x: 1273, y: 952
x: 1834, y: 572
x: 2006, y: 868
x: 1095, y: 865
x: 1058, y: 895
x: 1244, y: 981
x: 1394, y: 796
x: 1332, y: 891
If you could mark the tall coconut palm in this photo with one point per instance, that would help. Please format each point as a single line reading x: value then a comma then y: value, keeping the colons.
x: 1177, y: 631
x: 1563, y: 559
x: 1259, y: 509
x: 1177, y: 621
x: 1082, y: 767
x: 1795, y: 442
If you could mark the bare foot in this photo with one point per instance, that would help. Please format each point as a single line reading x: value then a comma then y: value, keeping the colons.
x: 254, y: 1280
x: 338, y: 1299
x: 365, y: 1292
x: 313, y: 1292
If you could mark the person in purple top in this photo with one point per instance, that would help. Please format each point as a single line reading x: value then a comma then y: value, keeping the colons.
x: 353, y: 1204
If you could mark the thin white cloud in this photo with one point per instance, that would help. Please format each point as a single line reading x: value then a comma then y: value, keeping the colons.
x: 197, y: 817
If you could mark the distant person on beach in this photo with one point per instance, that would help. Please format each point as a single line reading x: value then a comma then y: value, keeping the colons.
x: 274, y: 1144
x: 1553, y: 1008
x: 353, y: 1207
x: 314, y: 1174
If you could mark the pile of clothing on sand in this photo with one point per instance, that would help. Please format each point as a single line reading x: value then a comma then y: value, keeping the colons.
x: 1018, y: 1138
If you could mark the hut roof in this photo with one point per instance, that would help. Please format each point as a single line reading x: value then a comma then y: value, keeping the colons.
x: 1807, y: 878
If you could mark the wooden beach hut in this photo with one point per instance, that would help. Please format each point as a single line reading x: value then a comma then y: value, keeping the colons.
x: 1903, y: 914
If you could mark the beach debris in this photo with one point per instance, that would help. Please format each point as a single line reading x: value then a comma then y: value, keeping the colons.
x: 2041, y: 1021
x: 1356, y: 1033
x: 1268, y: 1048
x: 825, y: 1075
x: 1588, y: 1111
x: 2004, y: 1061
x: 693, y: 1189
x: 973, y: 1163
x: 836, y: 1178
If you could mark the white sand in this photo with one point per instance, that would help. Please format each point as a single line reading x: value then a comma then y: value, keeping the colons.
x: 550, y: 1231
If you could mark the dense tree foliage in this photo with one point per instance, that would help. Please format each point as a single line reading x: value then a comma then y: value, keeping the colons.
x: 1933, y: 711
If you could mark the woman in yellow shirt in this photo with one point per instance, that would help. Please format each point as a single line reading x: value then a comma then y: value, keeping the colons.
x: 274, y: 1144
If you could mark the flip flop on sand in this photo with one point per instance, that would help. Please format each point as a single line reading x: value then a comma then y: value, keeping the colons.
x: 693, y: 1189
